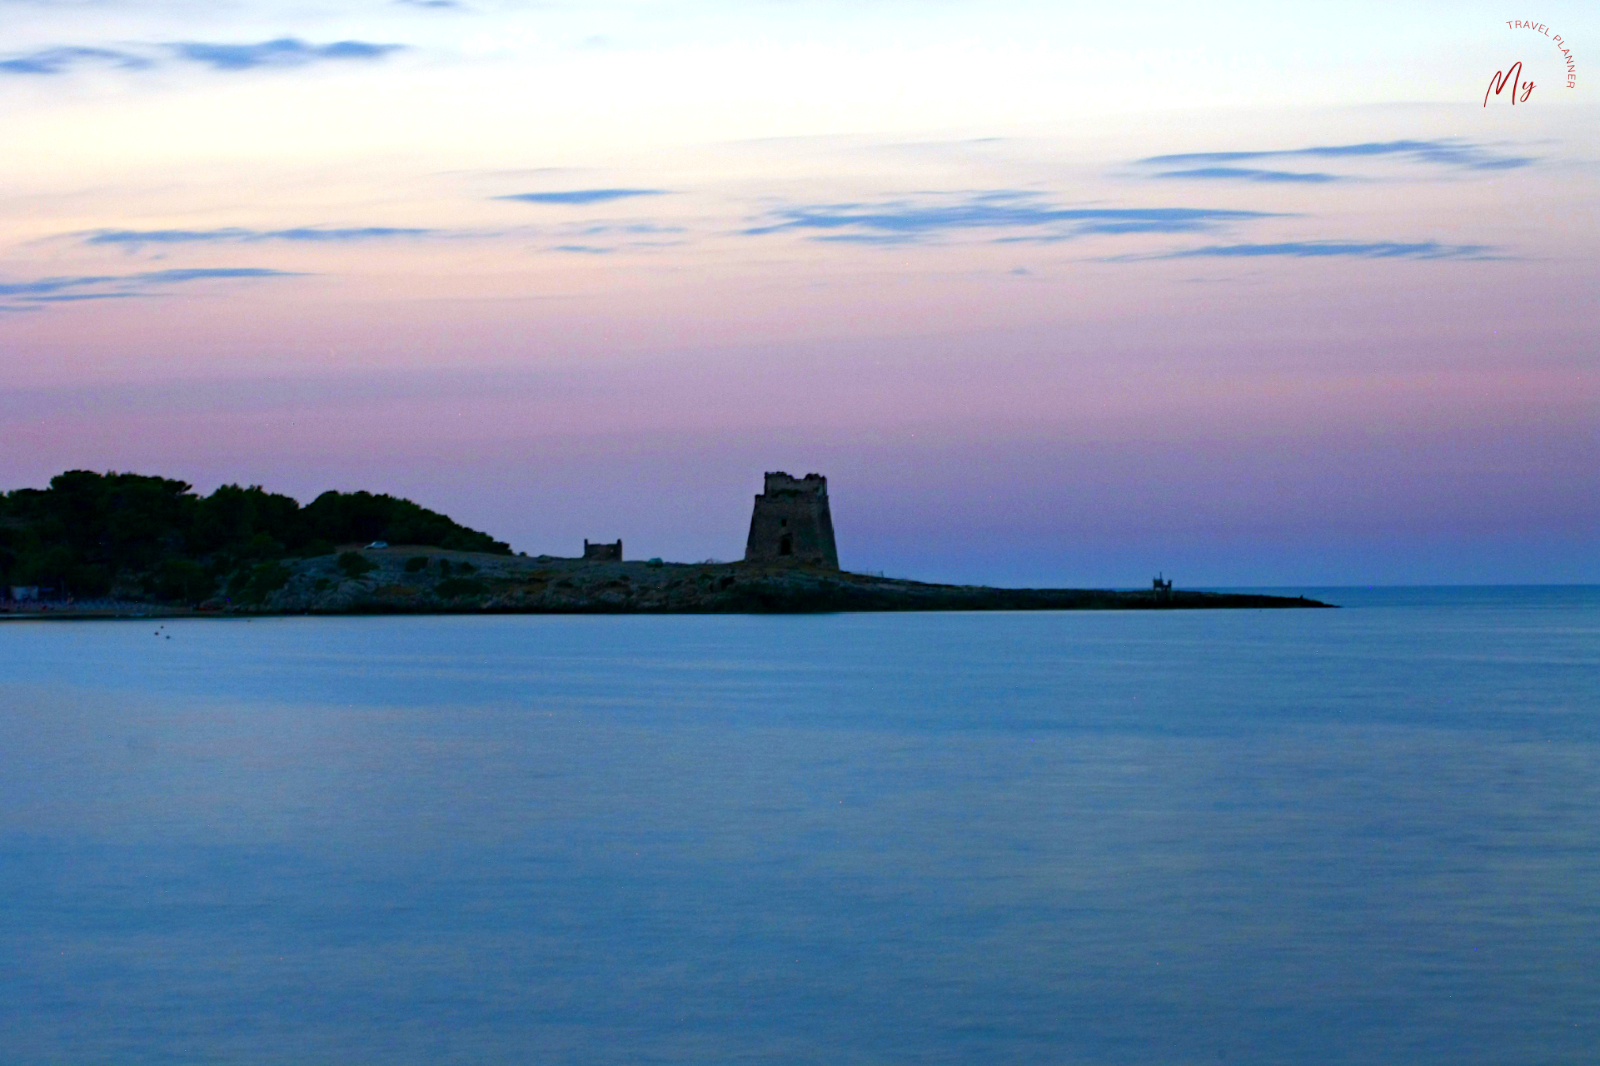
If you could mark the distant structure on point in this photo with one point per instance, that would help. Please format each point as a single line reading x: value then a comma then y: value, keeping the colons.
x: 791, y: 523
x: 603, y: 553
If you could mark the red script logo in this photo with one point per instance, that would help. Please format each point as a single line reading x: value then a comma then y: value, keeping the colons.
x: 1509, y: 76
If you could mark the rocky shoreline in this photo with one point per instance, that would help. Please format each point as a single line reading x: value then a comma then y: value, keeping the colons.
x: 404, y: 580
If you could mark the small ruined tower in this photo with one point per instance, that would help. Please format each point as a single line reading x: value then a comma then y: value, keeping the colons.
x: 602, y: 552
x: 791, y: 523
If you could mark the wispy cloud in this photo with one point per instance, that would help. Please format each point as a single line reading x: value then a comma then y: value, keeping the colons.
x: 1249, y: 174
x: 240, y: 235
x: 49, y: 285
x: 864, y: 238
x: 283, y: 52
x: 21, y: 295
x: 164, y: 277
x: 576, y: 236
x: 1448, y: 152
x: 78, y: 297
x: 581, y: 196
x: 1321, y: 249
x: 901, y: 221
x: 625, y: 228
x: 434, y: 4
x: 580, y: 237
x: 60, y: 60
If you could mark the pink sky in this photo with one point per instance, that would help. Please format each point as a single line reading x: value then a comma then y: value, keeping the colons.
x: 1039, y: 331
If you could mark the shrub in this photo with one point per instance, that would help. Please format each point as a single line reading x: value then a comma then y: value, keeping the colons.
x: 181, y: 579
x: 354, y: 564
x: 416, y: 563
x: 347, y: 516
x: 264, y: 580
x: 88, y: 581
x: 261, y: 546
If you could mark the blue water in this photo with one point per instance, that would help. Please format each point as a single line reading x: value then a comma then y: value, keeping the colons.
x: 1369, y: 835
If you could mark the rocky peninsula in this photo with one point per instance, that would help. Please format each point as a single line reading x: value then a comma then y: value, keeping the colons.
x: 119, y: 545
x: 421, y: 580
x: 404, y: 581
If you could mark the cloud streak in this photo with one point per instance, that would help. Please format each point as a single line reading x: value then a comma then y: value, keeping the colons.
x: 282, y: 52
x: 240, y: 235
x: 1448, y: 152
x: 23, y: 295
x: 905, y: 221
x: 574, y: 237
x: 50, y: 61
x: 1250, y: 174
x: 581, y: 196
x: 1324, y: 249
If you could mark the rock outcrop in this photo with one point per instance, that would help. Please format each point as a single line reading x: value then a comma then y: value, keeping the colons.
x: 414, y: 580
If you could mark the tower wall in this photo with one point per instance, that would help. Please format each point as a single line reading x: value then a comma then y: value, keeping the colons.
x: 791, y: 524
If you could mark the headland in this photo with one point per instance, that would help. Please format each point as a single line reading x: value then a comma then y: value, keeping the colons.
x: 421, y: 580
x: 122, y: 545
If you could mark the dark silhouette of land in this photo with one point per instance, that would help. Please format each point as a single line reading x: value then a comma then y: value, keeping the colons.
x: 98, y: 545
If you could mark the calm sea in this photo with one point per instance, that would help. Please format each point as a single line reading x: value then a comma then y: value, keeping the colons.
x: 1369, y: 835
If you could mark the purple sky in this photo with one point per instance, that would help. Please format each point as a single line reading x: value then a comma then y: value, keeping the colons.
x: 1042, y: 314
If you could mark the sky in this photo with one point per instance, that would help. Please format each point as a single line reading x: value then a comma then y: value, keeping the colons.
x: 1053, y: 294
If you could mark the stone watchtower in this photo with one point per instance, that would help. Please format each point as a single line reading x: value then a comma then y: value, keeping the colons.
x: 791, y: 523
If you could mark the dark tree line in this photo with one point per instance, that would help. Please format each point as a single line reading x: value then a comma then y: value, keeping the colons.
x: 89, y: 531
